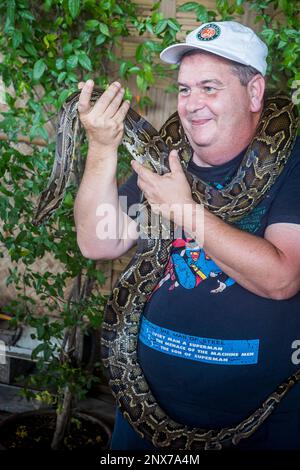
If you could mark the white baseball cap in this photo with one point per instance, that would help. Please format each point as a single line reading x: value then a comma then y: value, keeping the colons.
x: 227, y: 39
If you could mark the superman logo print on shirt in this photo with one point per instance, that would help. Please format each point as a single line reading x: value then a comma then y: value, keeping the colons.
x: 189, y: 266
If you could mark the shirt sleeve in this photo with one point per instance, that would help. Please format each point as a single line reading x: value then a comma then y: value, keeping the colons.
x: 286, y: 205
x: 130, y: 196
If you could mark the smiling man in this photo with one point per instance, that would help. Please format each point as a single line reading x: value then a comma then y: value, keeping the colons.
x: 211, y: 109
x: 228, y: 319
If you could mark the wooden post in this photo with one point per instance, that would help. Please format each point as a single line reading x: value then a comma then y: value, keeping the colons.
x: 168, y: 8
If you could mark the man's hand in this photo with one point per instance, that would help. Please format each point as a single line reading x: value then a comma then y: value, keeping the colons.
x: 103, y: 122
x: 167, y: 194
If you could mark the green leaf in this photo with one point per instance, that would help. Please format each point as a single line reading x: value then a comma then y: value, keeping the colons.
x: 72, y: 62
x: 156, y: 17
x: 281, y: 44
x: 59, y: 64
x: 152, y: 46
x: 17, y: 39
x: 134, y: 69
x: 47, y: 5
x: 189, y: 6
x: 141, y: 83
x: 202, y: 14
x: 149, y: 28
x: 72, y: 77
x: 41, y: 131
x: 127, y: 94
x: 68, y: 200
x: 37, y: 350
x: 92, y: 25
x: 156, y: 5
x: 10, y: 15
x: 74, y: 7
x: 62, y: 97
x: 100, y: 39
x: 161, y: 26
x: 104, y: 29
x: 239, y: 10
x: 139, y: 52
x: 61, y: 77
x: 106, y: 4
x: 174, y: 24
x: 27, y: 15
x: 100, y: 277
x: 30, y: 49
x: 123, y: 69
x: 39, y: 69
x: 85, y: 61
x: 67, y: 49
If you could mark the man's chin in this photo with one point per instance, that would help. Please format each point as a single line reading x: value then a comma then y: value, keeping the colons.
x: 198, y: 141
x: 201, y: 143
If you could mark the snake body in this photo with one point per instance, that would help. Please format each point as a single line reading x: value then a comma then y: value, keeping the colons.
x: 263, y: 162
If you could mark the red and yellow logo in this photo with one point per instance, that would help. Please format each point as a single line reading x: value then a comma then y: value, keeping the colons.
x: 209, y: 32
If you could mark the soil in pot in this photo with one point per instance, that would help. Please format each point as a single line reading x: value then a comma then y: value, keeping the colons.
x: 35, y: 429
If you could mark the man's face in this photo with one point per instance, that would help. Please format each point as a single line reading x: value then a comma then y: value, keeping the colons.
x: 212, y: 104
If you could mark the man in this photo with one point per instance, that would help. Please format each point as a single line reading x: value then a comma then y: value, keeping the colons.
x: 234, y: 299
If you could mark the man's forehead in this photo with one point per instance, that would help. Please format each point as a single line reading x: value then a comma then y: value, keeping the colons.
x: 204, y: 62
x: 205, y: 69
x: 201, y: 56
x: 206, y: 81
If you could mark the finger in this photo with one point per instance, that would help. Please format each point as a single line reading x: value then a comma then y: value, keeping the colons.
x: 143, y: 186
x: 84, y: 104
x: 139, y: 183
x: 145, y: 176
x: 174, y: 161
x: 138, y: 168
x: 107, y: 97
x: 114, y: 105
x: 122, y: 111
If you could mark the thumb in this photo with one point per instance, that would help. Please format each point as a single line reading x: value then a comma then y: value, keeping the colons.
x: 174, y: 161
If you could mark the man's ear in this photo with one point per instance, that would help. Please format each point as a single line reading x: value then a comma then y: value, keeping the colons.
x: 256, y: 89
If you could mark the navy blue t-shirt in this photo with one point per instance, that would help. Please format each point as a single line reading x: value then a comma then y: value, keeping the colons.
x: 211, y: 350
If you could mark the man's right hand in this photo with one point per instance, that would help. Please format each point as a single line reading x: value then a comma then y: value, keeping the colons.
x: 103, y: 122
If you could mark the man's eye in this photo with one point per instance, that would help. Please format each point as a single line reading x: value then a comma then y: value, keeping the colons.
x: 183, y: 91
x: 209, y: 90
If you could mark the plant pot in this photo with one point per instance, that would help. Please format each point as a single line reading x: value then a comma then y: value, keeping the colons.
x: 35, y: 429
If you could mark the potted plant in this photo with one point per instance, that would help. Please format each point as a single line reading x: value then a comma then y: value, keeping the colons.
x: 62, y: 378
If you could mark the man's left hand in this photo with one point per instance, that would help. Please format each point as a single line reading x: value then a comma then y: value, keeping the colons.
x: 166, y: 193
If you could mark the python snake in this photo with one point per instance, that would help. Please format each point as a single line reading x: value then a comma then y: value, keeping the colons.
x: 263, y: 162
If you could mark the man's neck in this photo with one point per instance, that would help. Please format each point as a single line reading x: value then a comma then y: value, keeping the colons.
x: 205, y: 158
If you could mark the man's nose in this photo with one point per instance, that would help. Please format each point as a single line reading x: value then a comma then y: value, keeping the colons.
x: 196, y: 101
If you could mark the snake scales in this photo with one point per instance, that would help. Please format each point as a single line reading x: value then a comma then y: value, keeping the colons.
x: 263, y: 162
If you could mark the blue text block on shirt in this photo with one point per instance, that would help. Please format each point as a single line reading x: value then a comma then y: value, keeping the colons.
x: 195, y: 348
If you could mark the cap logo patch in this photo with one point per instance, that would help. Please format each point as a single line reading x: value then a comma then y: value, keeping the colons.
x: 209, y: 32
